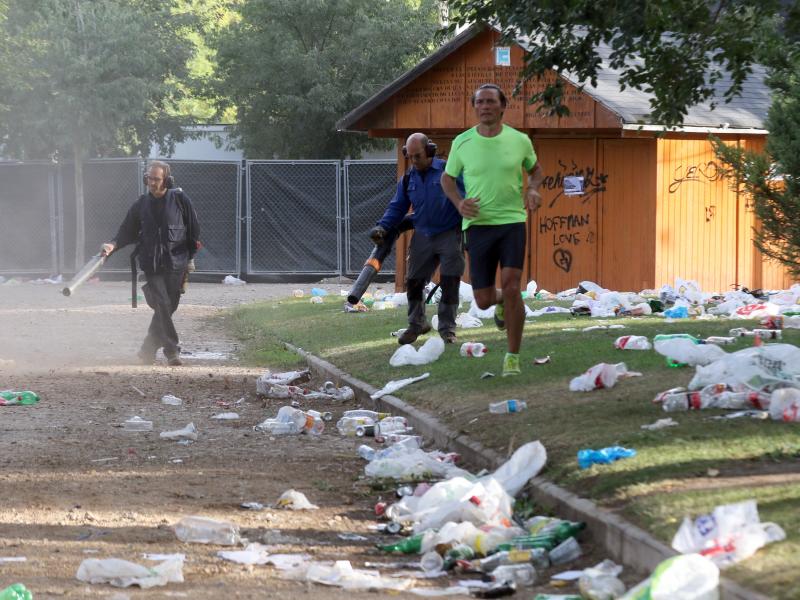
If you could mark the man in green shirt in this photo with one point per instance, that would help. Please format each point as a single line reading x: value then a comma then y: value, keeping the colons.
x: 491, y: 156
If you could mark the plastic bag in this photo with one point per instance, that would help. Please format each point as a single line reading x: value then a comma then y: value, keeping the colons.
x: 524, y: 464
x: 731, y: 533
x: 688, y: 577
x: 601, y: 376
x: 588, y: 457
x: 202, y: 530
x: 784, y: 405
x: 294, y: 500
x: 467, y: 321
x: 430, y: 351
x: 601, y: 582
x: 187, y: 433
x: 396, y: 384
x: 755, y: 367
x: 682, y: 350
x: 123, y: 573
x: 265, y: 382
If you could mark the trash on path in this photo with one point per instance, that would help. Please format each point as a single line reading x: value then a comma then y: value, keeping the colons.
x: 473, y: 349
x: 226, y: 416
x: 138, y: 391
x: 688, y: 577
x: 123, y: 573
x: 137, y: 424
x: 730, y: 534
x: 661, y: 424
x: 12, y: 398
x: 285, y: 378
x: 12, y: 559
x: 523, y: 575
x: 566, y: 552
x: 507, y: 406
x: 601, y: 376
x: 430, y: 351
x: 252, y: 505
x: 202, y: 530
x: 16, y: 591
x: 352, y: 537
x: 187, y: 433
x: 294, y: 500
x: 342, y: 574
x: 163, y: 557
x: 171, y: 400
x: 231, y: 280
x: 632, y: 342
x: 396, y: 384
x: 588, y: 457
x: 253, y: 554
x: 601, y: 582
x: 292, y: 421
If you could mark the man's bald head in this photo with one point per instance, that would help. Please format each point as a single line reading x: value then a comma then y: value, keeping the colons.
x: 416, y: 150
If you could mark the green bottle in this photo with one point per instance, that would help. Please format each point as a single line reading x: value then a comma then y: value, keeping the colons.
x: 16, y: 592
x: 548, y: 540
x: 10, y: 398
x: 410, y: 545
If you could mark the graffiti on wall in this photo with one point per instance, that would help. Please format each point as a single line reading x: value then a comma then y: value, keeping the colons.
x: 565, y: 232
x: 703, y: 173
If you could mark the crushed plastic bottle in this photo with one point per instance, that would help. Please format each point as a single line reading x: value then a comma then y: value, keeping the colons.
x: 356, y: 426
x: 16, y: 591
x: 391, y: 425
x: 137, y: 424
x: 522, y: 574
x: 202, y: 530
x: 474, y: 349
x: 507, y: 406
x: 566, y: 552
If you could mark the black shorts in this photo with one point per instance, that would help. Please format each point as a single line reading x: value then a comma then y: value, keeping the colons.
x: 490, y: 245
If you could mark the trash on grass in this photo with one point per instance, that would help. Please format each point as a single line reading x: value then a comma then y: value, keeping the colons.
x: 396, y: 384
x: 430, y: 351
x: 588, y: 457
x: 688, y: 577
x: 661, y: 424
x: 601, y: 376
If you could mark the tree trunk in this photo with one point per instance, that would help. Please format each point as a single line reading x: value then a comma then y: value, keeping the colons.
x: 80, y: 233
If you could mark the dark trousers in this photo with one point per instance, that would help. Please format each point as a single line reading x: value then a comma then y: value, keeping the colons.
x: 163, y: 293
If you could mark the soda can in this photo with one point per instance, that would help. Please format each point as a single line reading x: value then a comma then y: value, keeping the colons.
x: 773, y: 322
x: 362, y: 430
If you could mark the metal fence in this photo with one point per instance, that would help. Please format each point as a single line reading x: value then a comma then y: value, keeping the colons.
x: 301, y: 217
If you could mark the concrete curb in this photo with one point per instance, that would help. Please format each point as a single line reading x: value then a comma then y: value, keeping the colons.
x: 623, y: 541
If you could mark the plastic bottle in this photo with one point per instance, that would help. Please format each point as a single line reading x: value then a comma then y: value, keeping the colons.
x: 276, y: 427
x: 16, y: 591
x: 431, y: 562
x: 289, y: 414
x: 565, y: 552
x: 409, y: 545
x: 363, y: 412
x: 548, y: 538
x: 366, y: 452
x: 475, y: 349
x: 768, y: 334
x: 507, y: 406
x: 137, y: 424
x: 678, y: 401
x: 11, y: 398
x: 521, y: 574
x: 720, y: 340
x: 325, y: 416
x: 203, y: 530
x: 632, y: 342
x: 351, y: 426
x: 391, y: 425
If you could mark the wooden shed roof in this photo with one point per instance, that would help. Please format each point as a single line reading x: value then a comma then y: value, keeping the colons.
x: 747, y: 111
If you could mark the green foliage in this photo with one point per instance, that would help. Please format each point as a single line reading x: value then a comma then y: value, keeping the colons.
x: 674, y: 49
x: 95, y: 77
x: 292, y: 68
x: 771, y: 179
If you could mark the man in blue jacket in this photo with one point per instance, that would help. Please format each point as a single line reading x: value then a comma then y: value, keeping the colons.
x: 436, y: 240
x: 163, y: 225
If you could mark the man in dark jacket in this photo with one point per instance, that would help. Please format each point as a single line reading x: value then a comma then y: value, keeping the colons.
x: 436, y: 241
x: 164, y: 226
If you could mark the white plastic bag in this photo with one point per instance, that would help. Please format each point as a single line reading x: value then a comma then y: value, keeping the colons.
x: 231, y: 280
x: 601, y: 376
x: 784, y: 405
x: 202, y: 530
x: 688, y: 577
x: 294, y: 500
x: 467, y: 321
x: 123, y: 573
x: 430, y: 351
x: 524, y: 464
x: 601, y: 582
x: 187, y: 433
x: 755, y: 367
x: 731, y: 533
x: 396, y: 384
x: 685, y: 351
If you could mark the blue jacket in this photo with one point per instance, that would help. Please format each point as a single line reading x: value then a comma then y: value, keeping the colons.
x: 433, y: 212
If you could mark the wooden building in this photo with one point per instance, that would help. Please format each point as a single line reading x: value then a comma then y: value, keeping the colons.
x: 655, y: 206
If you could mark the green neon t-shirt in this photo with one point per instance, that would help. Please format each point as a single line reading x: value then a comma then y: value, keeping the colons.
x: 492, y: 169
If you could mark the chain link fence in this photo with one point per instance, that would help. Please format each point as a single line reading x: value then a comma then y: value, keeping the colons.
x: 28, y: 224
x: 302, y: 217
x: 293, y: 214
x: 368, y: 188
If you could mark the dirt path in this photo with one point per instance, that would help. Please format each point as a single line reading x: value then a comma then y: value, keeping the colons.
x: 76, y: 485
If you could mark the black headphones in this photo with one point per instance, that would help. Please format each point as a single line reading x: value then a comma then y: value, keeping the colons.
x: 430, y: 150
x: 169, y: 180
